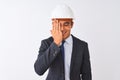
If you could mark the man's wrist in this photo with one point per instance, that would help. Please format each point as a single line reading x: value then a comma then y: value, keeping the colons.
x: 57, y: 43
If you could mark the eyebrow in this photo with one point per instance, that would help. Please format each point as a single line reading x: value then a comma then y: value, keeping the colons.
x: 66, y: 22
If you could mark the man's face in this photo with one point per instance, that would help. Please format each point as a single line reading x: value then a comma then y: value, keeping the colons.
x: 65, y: 26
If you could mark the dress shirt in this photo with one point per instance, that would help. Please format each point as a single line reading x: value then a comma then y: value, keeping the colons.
x: 68, y: 52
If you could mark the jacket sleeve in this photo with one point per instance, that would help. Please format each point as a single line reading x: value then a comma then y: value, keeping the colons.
x: 86, y: 66
x: 47, y: 54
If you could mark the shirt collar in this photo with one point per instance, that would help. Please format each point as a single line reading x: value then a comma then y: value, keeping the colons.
x: 69, y: 40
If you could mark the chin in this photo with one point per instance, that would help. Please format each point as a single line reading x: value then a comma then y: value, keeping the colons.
x: 65, y: 37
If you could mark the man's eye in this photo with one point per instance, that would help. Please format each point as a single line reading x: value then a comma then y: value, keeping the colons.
x: 66, y: 24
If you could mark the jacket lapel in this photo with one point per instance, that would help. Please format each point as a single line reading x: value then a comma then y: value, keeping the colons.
x: 73, y: 54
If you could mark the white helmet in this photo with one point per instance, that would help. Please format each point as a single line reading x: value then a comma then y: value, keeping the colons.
x: 62, y: 11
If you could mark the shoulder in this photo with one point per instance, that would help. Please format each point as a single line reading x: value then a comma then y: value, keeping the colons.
x: 79, y: 41
x: 47, y: 40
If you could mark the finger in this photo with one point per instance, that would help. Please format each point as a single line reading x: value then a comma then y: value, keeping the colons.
x: 59, y: 28
x: 56, y: 25
x: 53, y: 27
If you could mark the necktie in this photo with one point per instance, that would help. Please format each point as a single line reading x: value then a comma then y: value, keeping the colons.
x: 62, y: 50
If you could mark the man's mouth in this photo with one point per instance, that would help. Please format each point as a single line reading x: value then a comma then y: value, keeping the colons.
x: 63, y: 33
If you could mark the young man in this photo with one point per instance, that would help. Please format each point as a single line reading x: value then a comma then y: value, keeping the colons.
x: 66, y: 56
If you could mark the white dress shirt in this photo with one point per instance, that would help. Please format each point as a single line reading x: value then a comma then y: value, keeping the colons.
x: 68, y: 52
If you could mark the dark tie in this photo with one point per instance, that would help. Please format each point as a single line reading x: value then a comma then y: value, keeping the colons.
x: 62, y: 50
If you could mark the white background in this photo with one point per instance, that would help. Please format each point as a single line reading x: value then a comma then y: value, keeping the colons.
x: 24, y: 23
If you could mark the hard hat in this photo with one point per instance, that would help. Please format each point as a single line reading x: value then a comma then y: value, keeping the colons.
x: 62, y: 11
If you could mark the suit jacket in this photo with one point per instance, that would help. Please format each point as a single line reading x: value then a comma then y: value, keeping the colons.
x: 50, y: 58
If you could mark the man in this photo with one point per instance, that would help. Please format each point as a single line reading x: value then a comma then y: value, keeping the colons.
x: 66, y: 56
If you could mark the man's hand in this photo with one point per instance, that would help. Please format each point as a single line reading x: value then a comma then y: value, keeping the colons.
x: 56, y: 32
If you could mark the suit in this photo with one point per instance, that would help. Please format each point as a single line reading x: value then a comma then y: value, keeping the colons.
x: 50, y: 57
